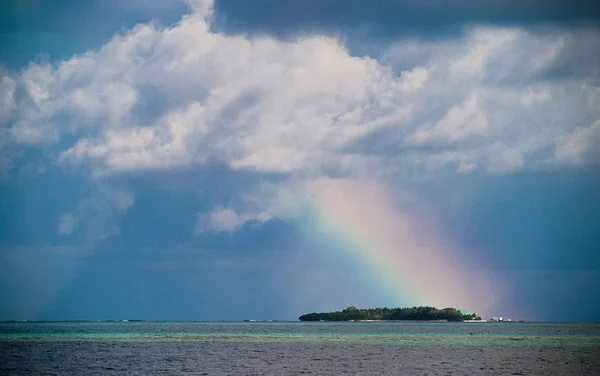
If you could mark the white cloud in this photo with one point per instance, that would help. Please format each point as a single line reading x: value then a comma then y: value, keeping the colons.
x: 121, y: 199
x: 158, y: 98
x: 39, y: 80
x: 97, y: 217
x: 582, y: 145
x: 225, y: 219
x: 477, y: 53
x: 202, y: 7
x: 503, y: 159
x: 7, y: 97
x: 24, y: 133
x: 532, y: 96
x: 460, y: 122
x: 67, y: 224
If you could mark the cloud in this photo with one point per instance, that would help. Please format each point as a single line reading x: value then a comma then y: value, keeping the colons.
x: 225, y: 219
x: 461, y: 122
x: 157, y: 98
x: 249, y: 115
x: 503, y: 159
x: 387, y: 19
x: 96, y: 217
x: 7, y: 96
x: 580, y: 146
x: 67, y: 224
x: 25, y: 134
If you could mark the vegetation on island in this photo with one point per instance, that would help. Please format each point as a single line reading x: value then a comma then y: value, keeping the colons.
x: 415, y: 313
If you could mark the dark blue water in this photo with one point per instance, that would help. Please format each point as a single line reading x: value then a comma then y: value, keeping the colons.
x: 141, y: 348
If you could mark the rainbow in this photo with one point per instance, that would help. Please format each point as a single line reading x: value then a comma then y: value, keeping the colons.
x: 409, y: 261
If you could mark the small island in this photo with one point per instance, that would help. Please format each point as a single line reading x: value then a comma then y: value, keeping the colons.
x: 393, y: 314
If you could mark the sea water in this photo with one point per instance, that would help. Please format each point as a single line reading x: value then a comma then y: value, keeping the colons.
x: 298, y: 348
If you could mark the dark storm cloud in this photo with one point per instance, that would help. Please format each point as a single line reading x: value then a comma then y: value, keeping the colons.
x: 394, y: 18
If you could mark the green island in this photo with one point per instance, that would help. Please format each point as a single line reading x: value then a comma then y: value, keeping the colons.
x: 392, y: 314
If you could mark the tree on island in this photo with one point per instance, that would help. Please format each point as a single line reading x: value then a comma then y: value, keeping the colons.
x: 415, y: 313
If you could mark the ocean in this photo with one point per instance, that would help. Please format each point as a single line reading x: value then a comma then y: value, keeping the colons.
x: 298, y: 348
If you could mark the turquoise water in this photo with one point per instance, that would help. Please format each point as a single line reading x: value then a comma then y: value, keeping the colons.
x: 412, y: 333
x: 477, y: 348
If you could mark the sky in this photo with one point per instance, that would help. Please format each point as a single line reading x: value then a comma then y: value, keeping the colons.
x: 231, y: 160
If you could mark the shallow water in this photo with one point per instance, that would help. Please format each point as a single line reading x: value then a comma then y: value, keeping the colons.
x: 141, y: 348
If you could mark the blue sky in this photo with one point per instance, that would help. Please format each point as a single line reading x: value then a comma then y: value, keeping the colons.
x: 150, y: 153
